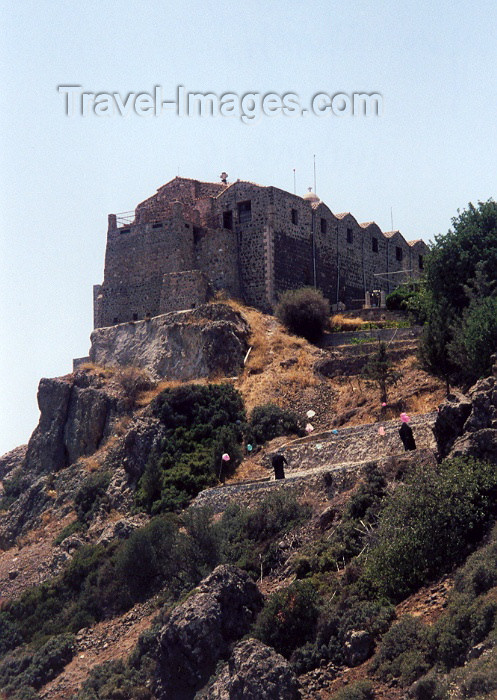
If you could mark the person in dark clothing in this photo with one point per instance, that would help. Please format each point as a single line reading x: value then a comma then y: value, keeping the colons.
x: 277, y: 462
x: 407, y: 437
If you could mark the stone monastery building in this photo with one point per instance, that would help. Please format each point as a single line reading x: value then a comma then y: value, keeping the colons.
x: 192, y: 238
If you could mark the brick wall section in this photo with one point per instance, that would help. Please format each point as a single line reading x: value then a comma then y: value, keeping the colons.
x: 284, y: 242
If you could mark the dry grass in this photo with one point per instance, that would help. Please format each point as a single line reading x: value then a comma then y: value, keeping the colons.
x: 279, y: 367
x: 347, y: 323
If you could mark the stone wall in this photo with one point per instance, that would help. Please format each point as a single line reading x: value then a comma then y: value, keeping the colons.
x: 183, y: 290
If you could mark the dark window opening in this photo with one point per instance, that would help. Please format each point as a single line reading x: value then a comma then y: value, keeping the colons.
x: 245, y: 212
x: 187, y: 225
x: 374, y: 244
x: 115, y: 320
x: 295, y: 216
x: 228, y: 220
x: 398, y: 253
x: 135, y: 317
x: 324, y: 225
x: 125, y: 230
x: 350, y: 236
x: 156, y: 225
x: 421, y: 262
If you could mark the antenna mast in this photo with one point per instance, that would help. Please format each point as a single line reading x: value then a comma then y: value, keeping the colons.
x: 294, y: 182
x: 315, y: 174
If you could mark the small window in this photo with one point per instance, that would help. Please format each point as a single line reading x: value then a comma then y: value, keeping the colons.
x: 374, y: 244
x: 350, y: 236
x: 421, y: 262
x: 398, y: 253
x: 125, y: 230
x: 135, y: 317
x: 324, y: 225
x: 156, y: 225
x: 245, y: 212
x: 228, y: 220
x: 115, y: 320
x: 295, y: 216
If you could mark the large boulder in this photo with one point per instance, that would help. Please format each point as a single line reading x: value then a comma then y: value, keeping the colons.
x: 76, y: 416
x: 254, y: 672
x: 132, y: 450
x: 203, y: 630
x: 181, y: 345
x: 358, y: 647
x: 452, y: 415
x: 467, y: 425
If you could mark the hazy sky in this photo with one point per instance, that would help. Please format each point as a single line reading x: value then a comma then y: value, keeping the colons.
x: 431, y: 151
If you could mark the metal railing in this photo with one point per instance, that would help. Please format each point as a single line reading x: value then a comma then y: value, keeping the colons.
x: 125, y: 218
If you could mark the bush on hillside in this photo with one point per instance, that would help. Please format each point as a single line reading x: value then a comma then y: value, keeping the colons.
x: 269, y: 421
x: 288, y: 619
x: 304, y: 312
x: 202, y: 422
x: 431, y: 523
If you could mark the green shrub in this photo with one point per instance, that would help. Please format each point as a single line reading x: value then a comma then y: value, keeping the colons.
x: 466, y: 623
x: 288, y: 619
x: 35, y: 670
x: 361, y: 690
x: 430, y: 524
x: 115, y: 680
x: 12, y: 488
x: 201, y: 423
x: 91, y: 495
x: 355, y: 530
x: 398, y: 300
x: 245, y: 534
x: 403, y: 653
x: 71, y: 529
x: 304, y: 312
x: 475, y: 340
x: 269, y: 421
x: 428, y: 688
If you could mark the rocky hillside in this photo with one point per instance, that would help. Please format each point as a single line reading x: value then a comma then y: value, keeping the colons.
x: 136, y: 563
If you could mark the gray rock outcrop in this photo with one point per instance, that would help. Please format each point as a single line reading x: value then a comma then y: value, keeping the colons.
x: 467, y: 425
x: 254, y: 672
x: 12, y: 460
x: 452, y: 415
x: 179, y: 345
x: 203, y: 630
x: 358, y: 647
x: 76, y: 416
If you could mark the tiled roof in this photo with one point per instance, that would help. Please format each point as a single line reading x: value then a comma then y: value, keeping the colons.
x: 343, y: 214
x: 390, y: 234
x: 418, y: 240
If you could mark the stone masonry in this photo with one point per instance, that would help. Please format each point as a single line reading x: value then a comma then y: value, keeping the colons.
x: 193, y: 238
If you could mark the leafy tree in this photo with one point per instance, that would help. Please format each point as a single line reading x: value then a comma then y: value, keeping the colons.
x: 304, y: 312
x: 455, y: 257
x: 434, y: 345
x: 379, y: 369
x: 460, y: 274
x: 476, y: 340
